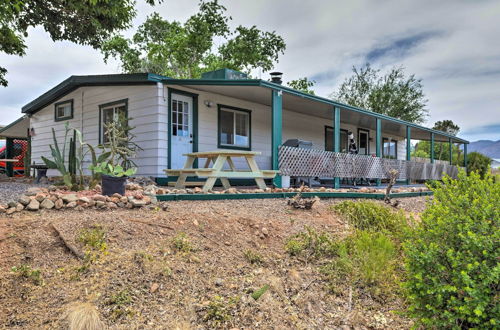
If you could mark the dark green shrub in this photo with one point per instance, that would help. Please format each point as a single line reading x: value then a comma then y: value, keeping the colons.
x: 452, y: 259
x: 479, y: 163
x: 372, y: 216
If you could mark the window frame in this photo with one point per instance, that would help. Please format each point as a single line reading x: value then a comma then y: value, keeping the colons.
x: 102, y: 107
x: 57, y: 104
x: 222, y: 107
x: 342, y: 130
x: 384, y: 139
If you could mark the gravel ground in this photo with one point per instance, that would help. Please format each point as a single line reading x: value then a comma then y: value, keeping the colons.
x: 10, y: 191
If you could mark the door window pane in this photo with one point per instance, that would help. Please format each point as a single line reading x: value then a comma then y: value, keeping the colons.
x: 363, y: 142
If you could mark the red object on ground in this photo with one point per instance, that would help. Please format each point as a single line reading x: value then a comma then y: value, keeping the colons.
x: 20, y: 148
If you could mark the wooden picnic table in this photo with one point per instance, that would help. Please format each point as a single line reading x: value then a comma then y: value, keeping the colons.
x: 218, y: 158
x: 7, y: 160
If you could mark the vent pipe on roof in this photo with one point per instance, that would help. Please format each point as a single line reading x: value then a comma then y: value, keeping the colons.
x: 276, y: 77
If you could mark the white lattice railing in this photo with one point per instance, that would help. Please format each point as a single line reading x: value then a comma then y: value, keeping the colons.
x: 319, y: 163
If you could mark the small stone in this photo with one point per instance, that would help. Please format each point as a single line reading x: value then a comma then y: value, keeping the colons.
x: 161, y: 191
x: 150, y: 189
x: 115, y: 199
x: 19, y: 207
x: 154, y: 288
x: 58, y: 204
x: 2, y: 209
x: 25, y: 200
x: 40, y: 197
x: 111, y: 205
x: 219, y: 282
x: 124, y: 199
x: 265, y: 231
x: 100, y: 204
x: 197, y: 190
x: 83, y: 199
x: 32, y: 191
x: 33, y: 205
x: 138, y: 202
x: 120, y: 204
x: 231, y: 191
x: 116, y: 195
x: 13, y: 204
x: 10, y: 210
x: 99, y: 198
x: 52, y: 188
x: 79, y: 208
x: 69, y: 198
x: 98, y: 187
x: 71, y: 205
x: 47, y: 204
x: 195, y: 222
x: 129, y: 205
x: 227, y: 243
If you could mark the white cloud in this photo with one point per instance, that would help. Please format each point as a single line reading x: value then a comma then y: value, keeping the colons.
x: 459, y: 63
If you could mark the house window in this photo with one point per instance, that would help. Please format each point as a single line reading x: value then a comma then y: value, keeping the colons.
x: 344, y: 141
x: 363, y: 141
x: 390, y: 148
x: 111, y: 112
x: 234, y: 128
x: 63, y: 110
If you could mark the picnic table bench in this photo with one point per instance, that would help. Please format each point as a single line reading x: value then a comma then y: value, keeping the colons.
x: 219, y: 158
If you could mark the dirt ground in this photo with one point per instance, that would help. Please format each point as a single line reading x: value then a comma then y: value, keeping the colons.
x: 161, y: 288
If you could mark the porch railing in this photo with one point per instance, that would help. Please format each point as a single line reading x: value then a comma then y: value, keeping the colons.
x: 319, y: 163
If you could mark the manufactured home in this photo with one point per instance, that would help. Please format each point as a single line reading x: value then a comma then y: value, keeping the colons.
x: 227, y: 110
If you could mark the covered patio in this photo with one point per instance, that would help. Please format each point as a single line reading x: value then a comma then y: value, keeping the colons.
x: 286, y: 107
x: 16, y: 153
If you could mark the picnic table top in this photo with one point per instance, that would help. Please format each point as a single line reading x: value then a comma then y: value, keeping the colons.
x: 7, y: 160
x: 213, y: 153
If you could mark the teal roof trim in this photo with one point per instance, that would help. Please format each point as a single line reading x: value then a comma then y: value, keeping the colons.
x: 75, y: 82
x: 285, y: 89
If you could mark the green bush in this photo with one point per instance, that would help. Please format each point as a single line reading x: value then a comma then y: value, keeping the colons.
x: 310, y: 244
x: 479, y: 163
x: 452, y: 260
x: 364, y: 259
x: 372, y: 216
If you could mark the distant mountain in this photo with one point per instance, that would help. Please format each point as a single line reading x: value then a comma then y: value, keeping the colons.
x: 486, y: 147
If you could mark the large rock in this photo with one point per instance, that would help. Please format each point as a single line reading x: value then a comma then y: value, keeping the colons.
x: 33, y: 205
x: 40, y: 197
x: 19, y: 207
x: 11, y: 210
x: 32, y: 191
x: 71, y: 205
x: 25, y: 200
x: 99, y: 198
x: 58, y: 204
x: 83, y: 199
x: 47, y: 204
x: 69, y: 198
x: 138, y: 202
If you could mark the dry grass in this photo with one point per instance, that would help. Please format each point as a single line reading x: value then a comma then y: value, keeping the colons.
x: 84, y: 316
x: 176, y: 290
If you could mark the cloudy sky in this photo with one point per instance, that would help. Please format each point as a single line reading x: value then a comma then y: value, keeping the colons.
x: 453, y: 46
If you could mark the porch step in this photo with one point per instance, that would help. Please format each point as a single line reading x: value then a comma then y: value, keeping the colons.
x: 188, y: 183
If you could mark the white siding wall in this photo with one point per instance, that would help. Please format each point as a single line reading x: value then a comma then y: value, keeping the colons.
x: 145, y: 104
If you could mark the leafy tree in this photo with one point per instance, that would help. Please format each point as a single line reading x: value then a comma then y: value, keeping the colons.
x: 86, y: 22
x: 303, y: 85
x: 452, y: 257
x: 479, y: 163
x: 185, y: 50
x: 447, y: 126
x: 393, y: 94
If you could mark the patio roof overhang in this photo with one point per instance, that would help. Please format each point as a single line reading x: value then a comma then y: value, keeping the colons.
x: 18, y: 129
x: 259, y: 91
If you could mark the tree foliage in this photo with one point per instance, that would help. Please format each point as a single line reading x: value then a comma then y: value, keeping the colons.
x: 447, y: 126
x: 452, y: 258
x: 303, y: 85
x: 393, y: 94
x: 185, y: 50
x: 479, y: 163
x: 86, y: 22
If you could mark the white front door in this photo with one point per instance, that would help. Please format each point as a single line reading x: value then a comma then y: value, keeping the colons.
x: 181, y: 128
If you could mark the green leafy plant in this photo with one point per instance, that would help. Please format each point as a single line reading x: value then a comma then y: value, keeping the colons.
x: 452, y: 260
x: 311, y: 244
x: 220, y: 310
x: 479, y: 163
x: 25, y: 271
x: 117, y: 153
x: 253, y: 257
x: 258, y: 293
x: 182, y: 243
x: 372, y: 216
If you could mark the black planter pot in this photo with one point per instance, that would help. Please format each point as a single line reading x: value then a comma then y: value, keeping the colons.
x: 112, y: 185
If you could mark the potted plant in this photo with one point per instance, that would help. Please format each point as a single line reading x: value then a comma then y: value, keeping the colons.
x: 113, y: 178
x: 117, y: 165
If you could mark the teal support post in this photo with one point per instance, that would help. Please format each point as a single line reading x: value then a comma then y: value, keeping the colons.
x: 408, y: 149
x: 336, y: 138
x: 465, y: 156
x: 378, y: 142
x: 9, y: 154
x: 277, y: 119
x: 450, y: 144
x: 432, y: 147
